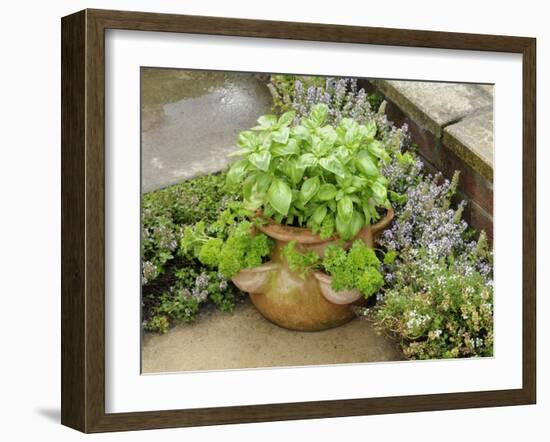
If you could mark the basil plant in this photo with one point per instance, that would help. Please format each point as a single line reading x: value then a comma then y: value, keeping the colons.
x: 312, y: 174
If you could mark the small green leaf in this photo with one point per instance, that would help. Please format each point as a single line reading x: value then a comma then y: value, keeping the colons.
x: 286, y: 118
x: 236, y: 172
x: 309, y: 189
x: 279, y: 196
x: 390, y: 257
x: 327, y: 133
x: 357, y: 222
x: 294, y: 171
x: 301, y: 133
x: 376, y: 148
x: 266, y: 122
x: 365, y: 164
x: 319, y: 114
x: 247, y: 139
x: 343, y: 228
x: 380, y: 192
x: 319, y: 214
x: 369, y: 130
x: 307, y: 160
x: 352, y: 136
x: 345, y: 209
x: 333, y: 164
x: 326, y: 192
x: 260, y: 160
x: 281, y: 135
x: 290, y: 148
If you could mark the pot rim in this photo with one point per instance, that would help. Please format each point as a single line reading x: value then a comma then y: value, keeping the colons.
x: 265, y: 267
x: 304, y: 235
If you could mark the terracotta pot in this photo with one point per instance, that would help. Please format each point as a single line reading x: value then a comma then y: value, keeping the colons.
x: 293, y: 302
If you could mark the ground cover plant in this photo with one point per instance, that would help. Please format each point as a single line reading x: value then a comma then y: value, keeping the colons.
x: 174, y: 287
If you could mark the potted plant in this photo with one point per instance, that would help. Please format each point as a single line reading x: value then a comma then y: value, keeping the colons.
x: 314, y: 185
x: 344, y: 276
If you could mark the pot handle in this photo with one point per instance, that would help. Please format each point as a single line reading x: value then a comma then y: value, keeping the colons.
x: 255, y: 280
x: 384, y: 222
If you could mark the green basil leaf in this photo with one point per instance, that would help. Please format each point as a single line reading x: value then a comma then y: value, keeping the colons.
x: 260, y: 160
x: 266, y: 122
x: 290, y: 148
x: 240, y: 152
x: 279, y: 196
x: 309, y: 189
x: 326, y: 192
x: 343, y: 227
x: 263, y: 180
x: 356, y: 224
x: 247, y: 139
x: 328, y: 134
x: 294, y: 171
x: 319, y: 114
x: 345, y: 209
x: 366, y: 212
x: 319, y: 214
x: 379, y: 192
x: 369, y: 130
x: 301, y: 133
x: 365, y: 164
x: 307, y: 160
x: 286, y: 118
x: 236, y: 172
x: 252, y: 198
x: 376, y: 148
x: 352, y: 136
x: 333, y: 164
x: 281, y: 135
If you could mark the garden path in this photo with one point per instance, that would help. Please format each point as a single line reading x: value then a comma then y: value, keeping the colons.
x: 244, y: 339
x: 190, y: 121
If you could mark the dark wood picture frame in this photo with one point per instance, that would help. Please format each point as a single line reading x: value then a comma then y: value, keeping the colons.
x: 83, y: 216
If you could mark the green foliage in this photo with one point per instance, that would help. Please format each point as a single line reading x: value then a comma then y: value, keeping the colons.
x: 358, y: 268
x: 158, y: 323
x: 175, y: 289
x: 312, y: 174
x: 438, y: 310
x: 165, y: 211
x: 299, y: 262
x: 283, y: 89
x: 236, y: 246
x: 194, y: 287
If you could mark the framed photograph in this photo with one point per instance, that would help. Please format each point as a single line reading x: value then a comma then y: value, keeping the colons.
x: 268, y: 220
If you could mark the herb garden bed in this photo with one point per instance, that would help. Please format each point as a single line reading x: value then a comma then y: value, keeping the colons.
x: 331, y: 162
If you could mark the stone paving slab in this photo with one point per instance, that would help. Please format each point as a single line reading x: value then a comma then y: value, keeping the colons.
x: 472, y: 139
x: 245, y: 339
x: 191, y: 119
x: 436, y: 105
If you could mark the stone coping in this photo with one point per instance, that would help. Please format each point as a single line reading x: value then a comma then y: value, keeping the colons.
x: 472, y: 140
x: 458, y: 115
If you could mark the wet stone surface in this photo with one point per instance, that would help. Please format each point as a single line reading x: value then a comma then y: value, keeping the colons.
x: 190, y: 121
x: 436, y: 105
x: 244, y: 339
